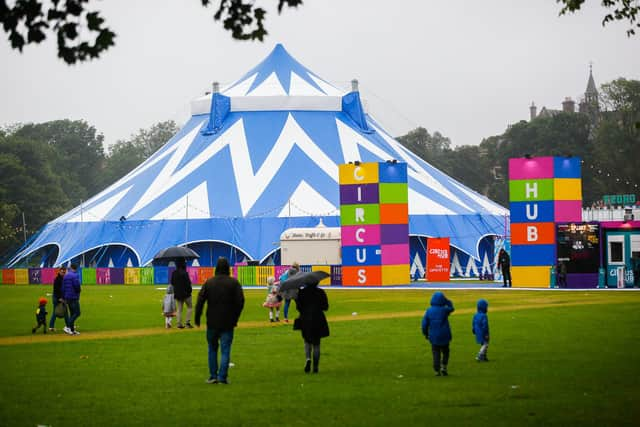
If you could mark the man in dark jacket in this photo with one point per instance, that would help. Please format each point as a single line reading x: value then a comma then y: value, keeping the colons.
x: 182, y: 292
x: 225, y: 301
x: 504, y: 261
x: 57, y: 297
x: 71, y: 294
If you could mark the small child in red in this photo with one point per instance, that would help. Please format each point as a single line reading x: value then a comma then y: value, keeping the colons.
x: 41, y: 316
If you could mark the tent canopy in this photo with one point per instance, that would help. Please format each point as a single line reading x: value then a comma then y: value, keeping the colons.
x: 255, y: 159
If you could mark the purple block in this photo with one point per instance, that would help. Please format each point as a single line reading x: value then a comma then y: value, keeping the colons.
x: 394, y: 233
x: 35, y: 276
x: 582, y: 280
x: 117, y: 276
x: 355, y: 194
x: 534, y: 168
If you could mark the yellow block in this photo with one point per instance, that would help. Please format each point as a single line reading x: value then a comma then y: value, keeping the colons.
x: 327, y: 268
x: 263, y: 272
x: 567, y: 189
x: 132, y: 276
x: 395, y: 274
x: 531, y: 277
x: 22, y: 276
x: 364, y: 173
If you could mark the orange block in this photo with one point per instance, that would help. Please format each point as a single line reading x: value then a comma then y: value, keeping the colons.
x: 531, y: 277
x: 394, y: 213
x: 361, y: 275
x: 533, y: 233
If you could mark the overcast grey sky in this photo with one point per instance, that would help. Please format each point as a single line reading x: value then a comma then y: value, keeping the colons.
x: 467, y: 69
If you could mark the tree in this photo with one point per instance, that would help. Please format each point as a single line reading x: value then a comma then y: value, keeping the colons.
x: 29, y: 185
x: 78, y: 153
x: 124, y: 156
x: 617, y: 10
x: 430, y: 148
x: 82, y: 35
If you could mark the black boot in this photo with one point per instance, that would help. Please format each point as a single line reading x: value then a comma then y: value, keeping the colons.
x: 316, y: 362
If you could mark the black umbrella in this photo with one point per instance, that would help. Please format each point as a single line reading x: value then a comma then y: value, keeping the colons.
x: 175, y: 252
x: 311, y: 278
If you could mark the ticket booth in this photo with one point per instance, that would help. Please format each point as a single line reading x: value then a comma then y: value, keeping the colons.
x: 318, y: 245
x: 578, y: 253
x: 621, y: 247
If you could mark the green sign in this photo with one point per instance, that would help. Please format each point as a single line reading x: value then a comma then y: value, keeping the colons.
x: 619, y: 199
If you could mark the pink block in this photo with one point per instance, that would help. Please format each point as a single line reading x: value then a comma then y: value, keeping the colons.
x: 533, y: 168
x: 355, y: 235
x: 48, y: 275
x: 395, y: 254
x: 193, y: 275
x: 103, y: 276
x: 567, y: 210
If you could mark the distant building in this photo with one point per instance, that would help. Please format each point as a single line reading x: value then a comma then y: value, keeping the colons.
x: 588, y: 105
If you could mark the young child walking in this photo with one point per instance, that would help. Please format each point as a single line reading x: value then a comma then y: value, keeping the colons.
x: 273, y: 300
x: 168, y: 306
x: 41, y: 316
x: 480, y: 328
x: 435, y: 328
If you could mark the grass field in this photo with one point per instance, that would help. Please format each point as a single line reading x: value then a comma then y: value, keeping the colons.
x: 557, y: 358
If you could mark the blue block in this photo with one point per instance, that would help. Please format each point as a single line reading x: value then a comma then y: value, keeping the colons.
x: 567, y: 167
x: 541, y: 211
x: 533, y: 255
x: 361, y: 255
x: 160, y: 274
x: 392, y: 172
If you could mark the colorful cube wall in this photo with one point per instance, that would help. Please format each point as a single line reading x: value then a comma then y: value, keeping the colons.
x: 542, y: 192
x: 374, y: 218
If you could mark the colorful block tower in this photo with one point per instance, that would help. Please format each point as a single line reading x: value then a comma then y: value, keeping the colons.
x: 542, y: 192
x: 374, y: 216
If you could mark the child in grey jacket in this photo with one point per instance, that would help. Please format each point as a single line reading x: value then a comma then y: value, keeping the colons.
x: 168, y: 307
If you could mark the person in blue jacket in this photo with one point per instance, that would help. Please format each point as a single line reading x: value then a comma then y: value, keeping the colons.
x: 480, y: 328
x: 435, y: 328
x: 71, y: 293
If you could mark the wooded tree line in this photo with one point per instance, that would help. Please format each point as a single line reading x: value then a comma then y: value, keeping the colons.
x: 608, y: 146
x: 48, y: 168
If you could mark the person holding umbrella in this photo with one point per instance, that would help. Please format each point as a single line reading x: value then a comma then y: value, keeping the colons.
x: 311, y: 303
x: 182, y: 292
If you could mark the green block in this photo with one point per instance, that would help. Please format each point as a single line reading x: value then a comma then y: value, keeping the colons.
x: 527, y: 190
x: 88, y: 276
x: 247, y: 275
x: 394, y: 192
x: 146, y: 275
x: 360, y: 214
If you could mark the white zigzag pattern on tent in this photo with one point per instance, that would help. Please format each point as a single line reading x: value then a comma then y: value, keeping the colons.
x: 166, y: 177
x: 251, y: 186
x: 305, y: 201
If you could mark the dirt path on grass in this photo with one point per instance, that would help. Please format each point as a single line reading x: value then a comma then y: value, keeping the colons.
x: 130, y: 333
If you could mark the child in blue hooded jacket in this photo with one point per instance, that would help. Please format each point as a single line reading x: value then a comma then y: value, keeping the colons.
x: 435, y: 327
x: 480, y: 328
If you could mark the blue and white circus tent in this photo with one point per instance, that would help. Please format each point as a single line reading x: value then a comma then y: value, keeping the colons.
x: 256, y: 158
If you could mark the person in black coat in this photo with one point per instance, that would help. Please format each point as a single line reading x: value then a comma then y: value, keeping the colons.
x: 504, y: 261
x: 56, y: 298
x: 312, y: 302
x: 182, y: 292
x: 225, y: 301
